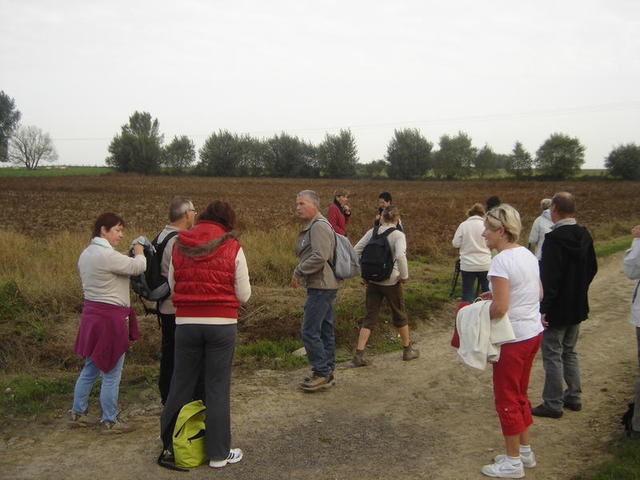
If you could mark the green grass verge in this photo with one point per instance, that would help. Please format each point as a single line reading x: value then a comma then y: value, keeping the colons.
x: 625, y: 464
x: 25, y: 395
x: 609, y: 247
x: 273, y: 354
x: 45, y: 171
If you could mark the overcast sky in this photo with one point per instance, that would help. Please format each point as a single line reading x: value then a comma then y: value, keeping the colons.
x: 500, y: 70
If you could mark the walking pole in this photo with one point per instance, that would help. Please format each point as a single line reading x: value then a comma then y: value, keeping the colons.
x: 454, y: 279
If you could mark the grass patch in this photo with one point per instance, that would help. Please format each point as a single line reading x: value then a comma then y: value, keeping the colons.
x: 273, y: 354
x: 625, y: 464
x: 25, y: 395
x: 612, y: 246
x: 53, y: 171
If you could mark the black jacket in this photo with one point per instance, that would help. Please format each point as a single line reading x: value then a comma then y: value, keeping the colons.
x: 567, y: 268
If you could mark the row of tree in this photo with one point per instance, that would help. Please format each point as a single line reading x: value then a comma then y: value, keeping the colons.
x: 22, y: 144
x: 139, y: 147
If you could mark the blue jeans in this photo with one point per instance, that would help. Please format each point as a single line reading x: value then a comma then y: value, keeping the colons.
x: 108, y: 392
x: 318, y: 335
x: 468, y: 282
x: 560, y: 362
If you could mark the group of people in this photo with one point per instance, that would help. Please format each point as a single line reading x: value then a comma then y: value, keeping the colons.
x: 545, y: 297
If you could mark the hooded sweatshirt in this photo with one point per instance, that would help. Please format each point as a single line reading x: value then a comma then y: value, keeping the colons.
x: 541, y: 226
x: 567, y: 268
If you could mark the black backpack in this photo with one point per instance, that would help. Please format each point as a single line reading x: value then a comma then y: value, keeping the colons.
x: 376, y: 262
x: 151, y: 285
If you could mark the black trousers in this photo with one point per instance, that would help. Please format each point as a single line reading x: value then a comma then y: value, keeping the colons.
x: 168, y: 325
x: 199, y: 348
x: 167, y: 354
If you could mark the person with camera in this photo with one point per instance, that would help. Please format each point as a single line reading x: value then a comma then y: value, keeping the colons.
x: 108, y: 322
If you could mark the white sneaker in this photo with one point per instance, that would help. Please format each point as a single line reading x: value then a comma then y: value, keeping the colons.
x: 503, y: 469
x: 528, y: 460
x: 235, y: 455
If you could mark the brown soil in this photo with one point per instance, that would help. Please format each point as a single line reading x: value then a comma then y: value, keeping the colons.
x: 432, y: 418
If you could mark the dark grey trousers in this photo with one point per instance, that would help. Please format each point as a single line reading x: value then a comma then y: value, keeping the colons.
x: 636, y: 412
x: 560, y: 361
x: 208, y: 347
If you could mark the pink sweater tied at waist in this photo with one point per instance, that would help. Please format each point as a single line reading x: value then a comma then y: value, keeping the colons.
x: 104, y: 334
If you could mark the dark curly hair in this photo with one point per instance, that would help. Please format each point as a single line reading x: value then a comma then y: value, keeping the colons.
x: 220, y: 212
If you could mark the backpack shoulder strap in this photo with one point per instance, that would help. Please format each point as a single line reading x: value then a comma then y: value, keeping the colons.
x: 388, y: 231
x: 162, y: 245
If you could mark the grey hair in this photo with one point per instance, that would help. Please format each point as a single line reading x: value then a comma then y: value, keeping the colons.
x: 313, y: 196
x: 179, y: 206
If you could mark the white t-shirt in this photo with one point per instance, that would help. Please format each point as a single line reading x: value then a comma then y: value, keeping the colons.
x: 520, y: 267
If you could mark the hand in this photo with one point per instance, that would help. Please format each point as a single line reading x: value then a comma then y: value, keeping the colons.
x: 346, y: 208
x: 295, y: 281
x: 543, y: 319
x: 635, y: 231
x: 403, y: 280
x: 138, y: 249
x: 486, y: 296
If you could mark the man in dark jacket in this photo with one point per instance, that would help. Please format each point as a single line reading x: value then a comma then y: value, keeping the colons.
x: 567, y: 267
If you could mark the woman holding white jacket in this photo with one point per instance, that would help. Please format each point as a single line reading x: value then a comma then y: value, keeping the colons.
x: 515, y: 289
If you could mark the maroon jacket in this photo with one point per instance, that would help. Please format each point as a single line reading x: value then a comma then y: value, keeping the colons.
x: 204, y: 270
x: 104, y: 334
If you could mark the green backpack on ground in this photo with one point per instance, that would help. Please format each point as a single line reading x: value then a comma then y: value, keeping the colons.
x: 189, y: 448
x: 188, y: 436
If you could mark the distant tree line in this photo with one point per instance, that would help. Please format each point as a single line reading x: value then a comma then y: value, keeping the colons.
x: 140, y: 147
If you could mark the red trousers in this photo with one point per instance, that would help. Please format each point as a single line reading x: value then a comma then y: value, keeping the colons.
x: 511, y: 382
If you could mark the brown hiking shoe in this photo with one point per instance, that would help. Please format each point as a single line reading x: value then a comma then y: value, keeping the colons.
x: 318, y: 383
x: 410, y: 353
x: 359, y: 360
x: 79, y: 420
x: 116, y: 427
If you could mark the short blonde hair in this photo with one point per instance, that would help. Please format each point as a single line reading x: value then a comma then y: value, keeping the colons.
x: 507, y: 217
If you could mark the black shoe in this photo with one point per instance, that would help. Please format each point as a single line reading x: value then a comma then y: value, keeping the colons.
x: 575, y: 407
x: 543, y: 411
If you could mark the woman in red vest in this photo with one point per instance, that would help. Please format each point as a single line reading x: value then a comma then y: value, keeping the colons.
x: 209, y: 278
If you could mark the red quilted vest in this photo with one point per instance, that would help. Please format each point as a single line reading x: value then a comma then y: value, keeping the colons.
x: 205, y: 275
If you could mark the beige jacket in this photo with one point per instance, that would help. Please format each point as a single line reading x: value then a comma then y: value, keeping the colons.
x: 314, y: 249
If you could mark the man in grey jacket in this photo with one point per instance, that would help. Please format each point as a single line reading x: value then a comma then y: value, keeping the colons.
x: 314, y: 249
x: 182, y: 216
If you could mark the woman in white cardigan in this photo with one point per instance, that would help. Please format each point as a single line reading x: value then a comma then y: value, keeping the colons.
x: 475, y: 256
x: 515, y: 290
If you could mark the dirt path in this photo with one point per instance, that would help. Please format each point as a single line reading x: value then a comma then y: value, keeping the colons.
x: 430, y: 419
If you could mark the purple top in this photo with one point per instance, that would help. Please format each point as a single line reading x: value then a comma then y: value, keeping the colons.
x: 104, y: 334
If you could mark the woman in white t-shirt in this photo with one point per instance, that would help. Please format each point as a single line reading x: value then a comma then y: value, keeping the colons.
x: 515, y: 290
